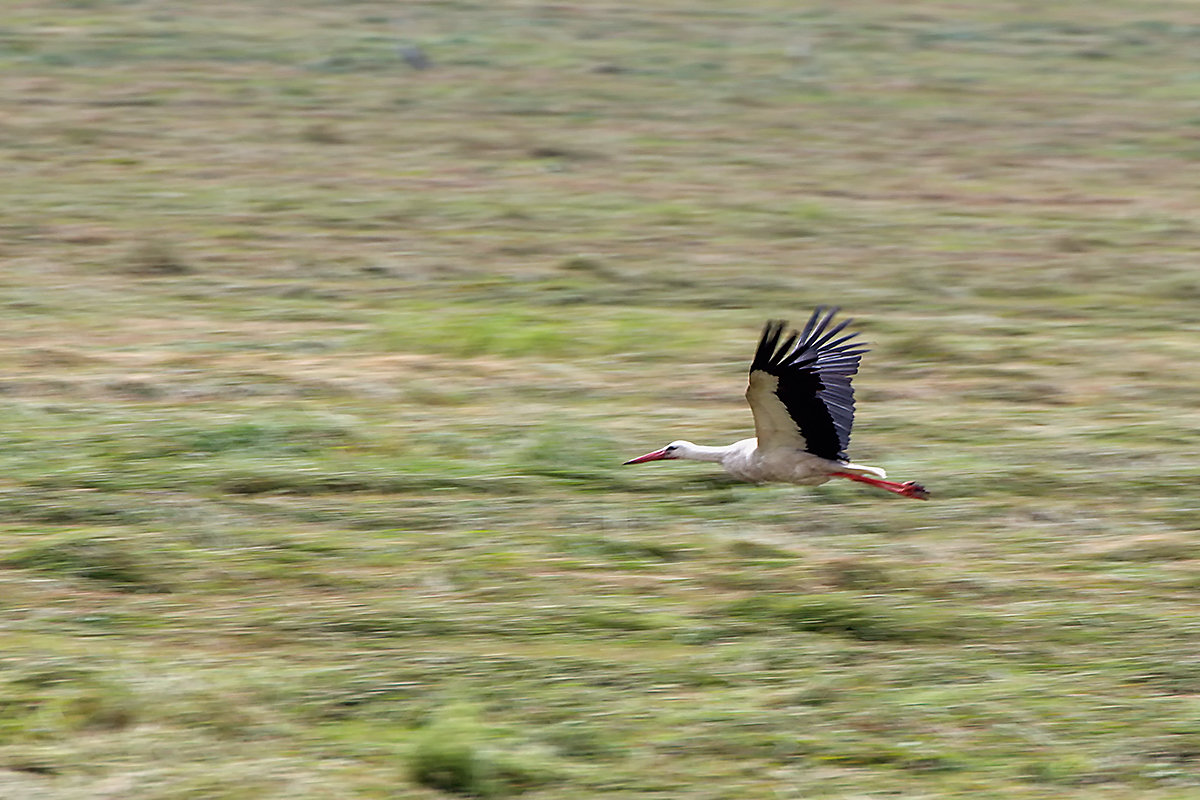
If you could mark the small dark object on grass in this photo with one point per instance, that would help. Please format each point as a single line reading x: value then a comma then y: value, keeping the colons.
x: 414, y: 56
x: 155, y: 257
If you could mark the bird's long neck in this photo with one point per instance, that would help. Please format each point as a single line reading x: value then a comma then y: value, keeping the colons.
x: 699, y: 452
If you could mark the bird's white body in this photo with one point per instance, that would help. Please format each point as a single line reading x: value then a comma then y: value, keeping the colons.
x: 746, y: 462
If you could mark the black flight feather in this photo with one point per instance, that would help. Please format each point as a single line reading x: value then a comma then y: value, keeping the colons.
x: 814, y: 370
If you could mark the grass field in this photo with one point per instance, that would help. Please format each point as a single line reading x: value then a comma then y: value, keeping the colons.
x: 317, y: 370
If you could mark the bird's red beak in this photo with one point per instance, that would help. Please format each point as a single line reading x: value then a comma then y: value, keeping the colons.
x: 655, y: 456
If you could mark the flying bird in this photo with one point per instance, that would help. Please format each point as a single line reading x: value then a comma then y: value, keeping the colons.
x: 803, y: 406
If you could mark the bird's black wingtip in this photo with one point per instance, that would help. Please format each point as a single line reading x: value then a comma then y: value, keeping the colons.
x: 817, y: 335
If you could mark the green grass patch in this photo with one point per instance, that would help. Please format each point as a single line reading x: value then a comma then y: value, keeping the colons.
x: 458, y: 755
x: 110, y: 562
x: 843, y: 614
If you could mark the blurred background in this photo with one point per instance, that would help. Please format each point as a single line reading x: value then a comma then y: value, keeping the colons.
x: 327, y: 327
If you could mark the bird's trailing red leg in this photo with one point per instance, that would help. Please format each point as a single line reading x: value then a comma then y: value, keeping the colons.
x: 906, y: 489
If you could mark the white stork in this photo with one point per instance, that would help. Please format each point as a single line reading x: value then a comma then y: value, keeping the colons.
x: 803, y: 408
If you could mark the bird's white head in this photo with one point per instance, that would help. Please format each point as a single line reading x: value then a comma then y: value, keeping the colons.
x: 676, y: 449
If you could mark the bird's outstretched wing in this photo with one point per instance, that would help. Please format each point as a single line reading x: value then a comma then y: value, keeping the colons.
x: 800, y: 389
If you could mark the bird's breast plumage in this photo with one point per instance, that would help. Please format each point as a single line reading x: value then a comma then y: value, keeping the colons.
x: 746, y: 462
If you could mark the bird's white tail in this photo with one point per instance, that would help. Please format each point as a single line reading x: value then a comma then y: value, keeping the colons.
x: 859, y: 469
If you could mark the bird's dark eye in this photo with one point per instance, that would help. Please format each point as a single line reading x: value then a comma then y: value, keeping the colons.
x: 670, y: 447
